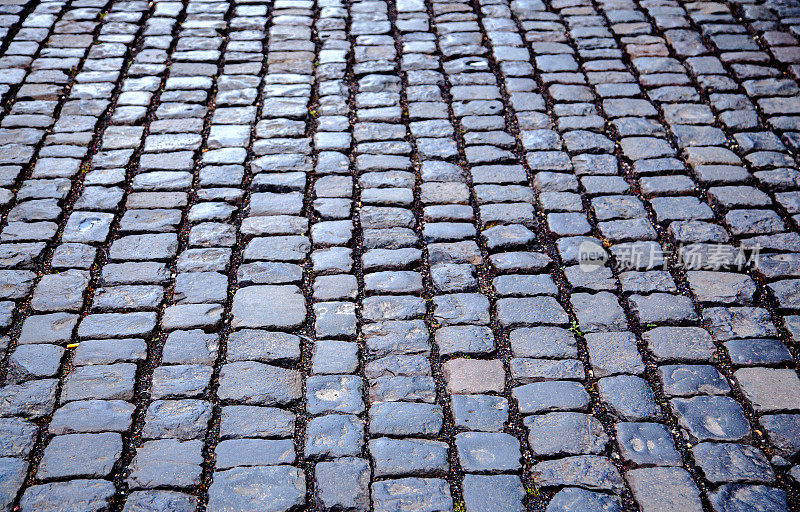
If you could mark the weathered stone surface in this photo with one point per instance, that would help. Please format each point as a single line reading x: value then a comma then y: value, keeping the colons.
x: 152, y: 501
x: 77, y: 495
x: 588, y: 471
x: 268, y: 306
x: 253, y: 452
x: 334, y: 236
x: 334, y: 435
x: 408, y: 494
x: 565, y: 433
x: 254, y: 383
x: 538, y: 397
x: 253, y: 421
x: 16, y: 437
x: 258, y: 488
x: 414, y: 457
x: 646, y: 444
x: 729, y: 462
x: 480, y: 412
x: 343, y: 484
x: 629, y: 397
x: 166, y: 462
x: 499, y: 492
x: 488, y: 452
x: 77, y: 455
x: 714, y: 418
x: 474, y: 376
x: 737, y: 497
x: 180, y: 419
x: 574, y: 498
x: 770, y: 389
x: 664, y: 489
x: 12, y: 475
x: 404, y: 419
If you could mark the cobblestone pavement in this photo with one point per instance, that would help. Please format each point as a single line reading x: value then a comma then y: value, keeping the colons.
x: 399, y: 256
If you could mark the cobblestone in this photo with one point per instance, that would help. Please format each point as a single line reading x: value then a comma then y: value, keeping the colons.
x: 424, y: 255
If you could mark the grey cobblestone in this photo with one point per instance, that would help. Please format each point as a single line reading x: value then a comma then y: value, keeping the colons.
x: 327, y: 255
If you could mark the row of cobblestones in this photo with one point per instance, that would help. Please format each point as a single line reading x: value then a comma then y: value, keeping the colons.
x: 396, y: 256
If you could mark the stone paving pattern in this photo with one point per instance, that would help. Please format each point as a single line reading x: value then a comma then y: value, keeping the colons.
x: 274, y: 255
